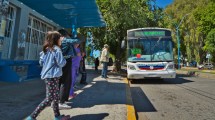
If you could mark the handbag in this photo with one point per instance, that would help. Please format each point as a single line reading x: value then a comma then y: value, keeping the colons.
x: 110, y: 63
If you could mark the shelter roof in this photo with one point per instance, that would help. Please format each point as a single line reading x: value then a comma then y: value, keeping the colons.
x: 81, y: 13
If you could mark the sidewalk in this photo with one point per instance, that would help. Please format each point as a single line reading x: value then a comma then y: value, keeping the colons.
x: 101, y: 99
x: 210, y: 74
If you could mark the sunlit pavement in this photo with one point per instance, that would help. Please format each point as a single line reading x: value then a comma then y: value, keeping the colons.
x: 100, y: 99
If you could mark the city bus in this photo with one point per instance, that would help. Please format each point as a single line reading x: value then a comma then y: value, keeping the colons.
x: 150, y: 53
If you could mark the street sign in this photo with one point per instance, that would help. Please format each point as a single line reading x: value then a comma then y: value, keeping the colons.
x: 208, y: 55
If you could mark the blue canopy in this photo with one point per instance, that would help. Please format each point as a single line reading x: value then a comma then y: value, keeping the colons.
x: 81, y: 13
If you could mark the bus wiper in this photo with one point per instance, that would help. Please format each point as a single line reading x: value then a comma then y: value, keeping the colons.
x: 157, y: 43
x: 164, y: 59
x: 155, y: 46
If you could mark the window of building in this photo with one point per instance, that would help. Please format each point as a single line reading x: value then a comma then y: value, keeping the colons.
x: 36, y: 30
x: 8, y: 32
x: 10, y: 22
x: 35, y: 36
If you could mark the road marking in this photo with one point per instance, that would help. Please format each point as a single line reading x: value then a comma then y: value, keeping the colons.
x: 130, y: 107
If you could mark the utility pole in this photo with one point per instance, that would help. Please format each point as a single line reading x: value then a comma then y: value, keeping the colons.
x: 177, y: 36
x: 178, y: 39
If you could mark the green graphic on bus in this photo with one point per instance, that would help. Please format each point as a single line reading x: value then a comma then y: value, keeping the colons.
x: 135, y: 51
x: 149, y: 33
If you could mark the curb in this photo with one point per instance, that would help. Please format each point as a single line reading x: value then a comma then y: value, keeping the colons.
x: 131, y: 115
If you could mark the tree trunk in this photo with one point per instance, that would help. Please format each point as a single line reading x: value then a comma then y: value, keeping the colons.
x: 118, y: 58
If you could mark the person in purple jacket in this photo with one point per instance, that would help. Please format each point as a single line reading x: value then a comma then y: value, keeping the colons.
x: 75, y: 68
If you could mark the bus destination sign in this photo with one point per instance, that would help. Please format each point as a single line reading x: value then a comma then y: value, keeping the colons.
x: 148, y: 33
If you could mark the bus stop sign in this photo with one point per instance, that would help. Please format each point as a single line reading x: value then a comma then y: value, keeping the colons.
x: 208, y: 55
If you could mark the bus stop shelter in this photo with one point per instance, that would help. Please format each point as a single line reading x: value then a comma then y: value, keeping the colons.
x: 81, y: 13
x: 67, y: 14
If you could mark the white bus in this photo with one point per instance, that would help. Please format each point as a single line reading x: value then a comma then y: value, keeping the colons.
x: 150, y: 53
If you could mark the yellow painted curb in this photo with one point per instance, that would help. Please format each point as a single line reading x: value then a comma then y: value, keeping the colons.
x: 130, y: 107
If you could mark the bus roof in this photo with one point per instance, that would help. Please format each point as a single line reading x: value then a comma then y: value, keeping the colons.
x: 148, y: 28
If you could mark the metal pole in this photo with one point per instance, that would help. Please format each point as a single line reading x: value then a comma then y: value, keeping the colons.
x: 208, y: 60
x: 177, y: 32
x: 178, y: 39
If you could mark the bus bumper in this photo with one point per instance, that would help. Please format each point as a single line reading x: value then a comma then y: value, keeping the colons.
x: 154, y: 74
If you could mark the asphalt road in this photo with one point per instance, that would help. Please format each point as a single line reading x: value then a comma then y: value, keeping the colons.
x: 183, y: 98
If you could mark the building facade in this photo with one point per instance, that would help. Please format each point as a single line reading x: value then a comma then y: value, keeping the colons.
x: 22, y: 31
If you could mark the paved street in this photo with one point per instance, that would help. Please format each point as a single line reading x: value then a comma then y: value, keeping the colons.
x: 184, y: 98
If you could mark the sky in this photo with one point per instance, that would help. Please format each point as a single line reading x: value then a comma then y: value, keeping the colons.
x: 163, y: 3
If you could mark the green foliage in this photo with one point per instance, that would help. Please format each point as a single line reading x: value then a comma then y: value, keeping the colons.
x: 121, y: 15
x: 194, y: 28
x: 210, y: 43
x: 205, y: 17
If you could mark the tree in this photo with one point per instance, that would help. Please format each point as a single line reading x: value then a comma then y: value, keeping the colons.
x: 210, y: 43
x: 194, y: 28
x: 121, y: 15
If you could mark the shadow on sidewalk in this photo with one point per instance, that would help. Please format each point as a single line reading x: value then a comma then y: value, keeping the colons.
x: 19, y: 100
x: 99, y: 116
x: 100, y: 91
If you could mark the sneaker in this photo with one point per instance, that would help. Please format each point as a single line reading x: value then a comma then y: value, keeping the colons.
x: 68, y: 102
x: 73, y: 96
x: 64, y: 106
x: 30, y: 118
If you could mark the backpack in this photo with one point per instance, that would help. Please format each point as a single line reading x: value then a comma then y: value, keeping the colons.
x: 110, y: 63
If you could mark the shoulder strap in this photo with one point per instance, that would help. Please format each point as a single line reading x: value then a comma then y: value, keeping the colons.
x: 49, y: 69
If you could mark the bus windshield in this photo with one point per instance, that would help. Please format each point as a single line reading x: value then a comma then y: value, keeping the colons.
x: 150, y: 49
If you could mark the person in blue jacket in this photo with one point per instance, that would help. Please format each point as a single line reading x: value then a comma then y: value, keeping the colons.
x: 52, y: 61
x: 66, y: 79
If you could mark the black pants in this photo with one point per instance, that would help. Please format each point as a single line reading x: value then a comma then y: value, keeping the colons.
x: 65, y: 81
x: 83, y: 71
x: 96, y: 67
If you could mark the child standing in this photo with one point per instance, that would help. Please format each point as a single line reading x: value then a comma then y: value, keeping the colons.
x: 52, y: 60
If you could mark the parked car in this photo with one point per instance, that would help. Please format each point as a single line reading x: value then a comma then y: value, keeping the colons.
x: 206, y: 66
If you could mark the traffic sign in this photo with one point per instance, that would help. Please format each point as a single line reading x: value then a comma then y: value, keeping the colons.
x: 208, y: 55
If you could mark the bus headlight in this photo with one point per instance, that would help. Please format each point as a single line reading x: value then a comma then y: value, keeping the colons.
x: 131, y: 67
x: 171, y: 67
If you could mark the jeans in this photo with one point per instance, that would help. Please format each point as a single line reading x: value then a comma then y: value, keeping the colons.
x: 104, y: 69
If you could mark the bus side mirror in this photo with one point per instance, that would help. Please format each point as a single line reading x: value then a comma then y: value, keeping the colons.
x: 123, y: 44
